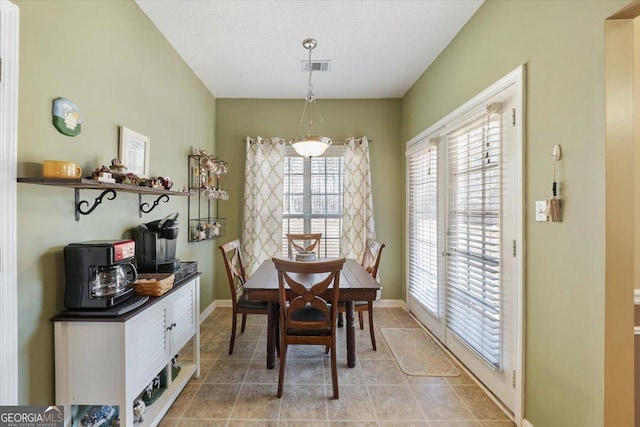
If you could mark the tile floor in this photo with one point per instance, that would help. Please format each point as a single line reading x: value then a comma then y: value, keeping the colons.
x: 239, y: 390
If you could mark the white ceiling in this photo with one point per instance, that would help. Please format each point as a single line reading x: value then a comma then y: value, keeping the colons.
x: 253, y: 49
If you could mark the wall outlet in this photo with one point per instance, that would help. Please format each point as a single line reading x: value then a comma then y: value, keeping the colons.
x: 541, y: 206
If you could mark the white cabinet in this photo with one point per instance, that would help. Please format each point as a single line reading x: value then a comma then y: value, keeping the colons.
x: 111, y: 361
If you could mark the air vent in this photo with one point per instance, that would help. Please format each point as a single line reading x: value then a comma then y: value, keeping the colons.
x: 316, y: 66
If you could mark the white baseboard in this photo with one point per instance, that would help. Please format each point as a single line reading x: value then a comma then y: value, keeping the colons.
x: 526, y: 423
x: 636, y: 296
x: 207, y: 311
x: 223, y: 303
x: 389, y: 303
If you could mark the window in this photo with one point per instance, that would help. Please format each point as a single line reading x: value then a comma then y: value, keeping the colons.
x: 312, y: 202
x: 465, y: 264
x: 473, y: 234
x: 423, y: 226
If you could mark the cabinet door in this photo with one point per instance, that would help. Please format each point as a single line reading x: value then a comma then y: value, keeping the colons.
x: 150, y: 343
x: 183, y: 316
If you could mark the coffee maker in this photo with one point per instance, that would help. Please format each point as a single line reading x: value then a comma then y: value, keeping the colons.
x: 156, y: 245
x: 99, y: 275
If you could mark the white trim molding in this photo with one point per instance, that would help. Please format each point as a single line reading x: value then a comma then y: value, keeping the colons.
x: 389, y: 303
x: 207, y: 311
x: 636, y: 296
x: 526, y: 423
x: 223, y: 303
x: 9, y: 49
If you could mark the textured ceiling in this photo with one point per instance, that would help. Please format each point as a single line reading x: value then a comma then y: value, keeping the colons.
x: 253, y: 49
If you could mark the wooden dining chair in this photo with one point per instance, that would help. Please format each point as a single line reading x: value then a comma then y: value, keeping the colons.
x: 237, y: 276
x: 305, y: 242
x: 370, y: 262
x: 306, y: 318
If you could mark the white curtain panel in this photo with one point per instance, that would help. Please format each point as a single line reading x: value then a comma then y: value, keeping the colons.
x: 357, y: 223
x: 263, y: 189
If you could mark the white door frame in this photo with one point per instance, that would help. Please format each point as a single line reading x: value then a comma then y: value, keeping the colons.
x: 9, y: 32
x: 517, y: 78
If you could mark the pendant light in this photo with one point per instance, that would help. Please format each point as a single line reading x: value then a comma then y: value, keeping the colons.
x: 310, y: 145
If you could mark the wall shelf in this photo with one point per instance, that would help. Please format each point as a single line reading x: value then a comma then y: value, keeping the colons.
x: 83, y: 207
x: 204, y: 222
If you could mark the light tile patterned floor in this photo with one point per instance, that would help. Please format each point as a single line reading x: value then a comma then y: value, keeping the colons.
x: 239, y: 390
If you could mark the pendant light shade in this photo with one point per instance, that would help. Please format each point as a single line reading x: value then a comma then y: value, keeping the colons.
x: 310, y: 145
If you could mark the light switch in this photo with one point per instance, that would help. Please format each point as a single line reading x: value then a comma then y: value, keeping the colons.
x: 541, y: 206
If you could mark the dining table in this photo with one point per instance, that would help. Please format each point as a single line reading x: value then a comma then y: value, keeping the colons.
x: 356, y: 284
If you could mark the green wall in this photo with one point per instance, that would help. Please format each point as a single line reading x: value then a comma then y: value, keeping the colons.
x: 378, y: 119
x: 562, y: 45
x: 108, y: 58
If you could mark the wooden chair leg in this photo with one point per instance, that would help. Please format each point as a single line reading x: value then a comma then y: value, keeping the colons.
x: 233, y: 331
x: 283, y: 365
x: 334, y: 371
x: 360, y: 319
x: 371, y: 329
x: 277, y: 334
x: 244, y: 322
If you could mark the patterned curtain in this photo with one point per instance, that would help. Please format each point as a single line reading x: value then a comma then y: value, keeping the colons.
x: 263, y: 188
x: 357, y: 222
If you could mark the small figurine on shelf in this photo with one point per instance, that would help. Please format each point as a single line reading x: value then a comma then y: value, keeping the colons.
x: 139, y: 408
x: 166, y: 181
x: 202, y: 235
x: 117, y: 166
x: 203, y: 178
x: 215, y: 229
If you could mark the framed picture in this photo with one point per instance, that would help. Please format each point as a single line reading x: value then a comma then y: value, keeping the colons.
x: 134, y: 152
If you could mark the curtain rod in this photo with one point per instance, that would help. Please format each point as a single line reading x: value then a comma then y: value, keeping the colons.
x: 342, y: 140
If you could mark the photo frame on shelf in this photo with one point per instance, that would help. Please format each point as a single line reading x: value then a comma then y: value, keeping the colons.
x: 134, y: 151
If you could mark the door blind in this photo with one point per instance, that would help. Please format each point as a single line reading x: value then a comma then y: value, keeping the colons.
x: 423, y: 228
x: 473, y: 234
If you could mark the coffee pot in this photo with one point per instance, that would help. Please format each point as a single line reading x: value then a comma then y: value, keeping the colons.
x: 111, y: 280
x: 99, y: 275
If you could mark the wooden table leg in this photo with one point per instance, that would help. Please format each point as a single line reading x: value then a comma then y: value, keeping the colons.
x: 272, y: 324
x: 351, y: 336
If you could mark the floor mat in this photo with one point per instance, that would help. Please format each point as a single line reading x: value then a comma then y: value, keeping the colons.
x: 417, y: 353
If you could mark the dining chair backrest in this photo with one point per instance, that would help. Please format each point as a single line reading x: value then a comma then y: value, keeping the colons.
x: 303, y: 243
x: 307, y: 296
x: 306, y: 318
x: 236, y: 274
x: 371, y: 258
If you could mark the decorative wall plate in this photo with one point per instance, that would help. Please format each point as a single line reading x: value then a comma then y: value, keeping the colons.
x: 67, y: 117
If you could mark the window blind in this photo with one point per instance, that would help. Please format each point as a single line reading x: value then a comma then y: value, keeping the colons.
x: 313, y: 189
x: 423, y: 226
x: 473, y: 299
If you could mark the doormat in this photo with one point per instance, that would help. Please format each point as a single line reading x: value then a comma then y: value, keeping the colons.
x: 417, y: 354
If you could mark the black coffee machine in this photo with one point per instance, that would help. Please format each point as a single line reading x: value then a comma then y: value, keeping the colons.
x: 99, y: 275
x: 156, y: 245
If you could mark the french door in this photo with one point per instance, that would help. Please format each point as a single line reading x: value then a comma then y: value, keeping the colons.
x: 464, y: 236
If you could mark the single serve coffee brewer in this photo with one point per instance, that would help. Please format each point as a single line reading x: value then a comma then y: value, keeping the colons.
x: 156, y: 245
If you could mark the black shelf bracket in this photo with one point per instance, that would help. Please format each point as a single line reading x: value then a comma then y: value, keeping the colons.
x: 146, y: 208
x: 96, y: 202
